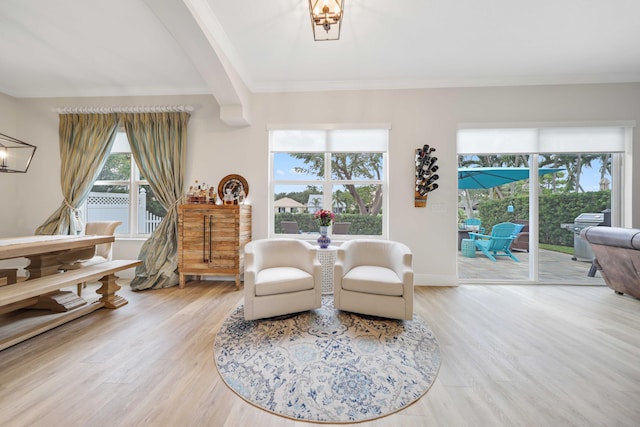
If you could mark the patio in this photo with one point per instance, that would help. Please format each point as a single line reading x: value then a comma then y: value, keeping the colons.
x: 555, y: 268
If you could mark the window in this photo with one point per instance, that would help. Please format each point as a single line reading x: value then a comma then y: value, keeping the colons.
x: 121, y: 193
x: 344, y: 170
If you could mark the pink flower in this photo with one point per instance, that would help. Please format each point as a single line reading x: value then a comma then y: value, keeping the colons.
x: 324, y: 217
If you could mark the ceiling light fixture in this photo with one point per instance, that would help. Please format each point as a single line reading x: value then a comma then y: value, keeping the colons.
x: 326, y: 18
x: 15, y: 155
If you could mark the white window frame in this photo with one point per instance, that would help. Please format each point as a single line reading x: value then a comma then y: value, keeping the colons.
x: 330, y: 147
x: 134, y: 183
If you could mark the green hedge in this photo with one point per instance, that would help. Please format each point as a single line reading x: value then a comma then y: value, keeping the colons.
x: 360, y: 224
x: 554, y: 209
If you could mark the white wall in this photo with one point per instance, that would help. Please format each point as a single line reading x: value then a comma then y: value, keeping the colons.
x: 417, y: 117
x: 7, y: 115
x: 8, y: 182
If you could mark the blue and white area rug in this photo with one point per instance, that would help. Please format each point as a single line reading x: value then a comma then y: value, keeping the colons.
x: 327, y: 366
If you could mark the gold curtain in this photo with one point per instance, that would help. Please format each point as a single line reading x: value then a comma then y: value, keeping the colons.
x: 158, y: 143
x: 85, y: 143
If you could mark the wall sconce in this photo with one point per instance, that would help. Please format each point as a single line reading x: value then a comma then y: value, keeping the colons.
x: 15, y: 155
x: 326, y: 18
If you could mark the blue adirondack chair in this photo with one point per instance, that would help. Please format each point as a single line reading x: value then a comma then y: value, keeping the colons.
x: 472, y: 222
x: 499, y: 241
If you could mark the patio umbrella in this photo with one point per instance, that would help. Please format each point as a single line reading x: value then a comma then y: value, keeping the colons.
x: 475, y: 178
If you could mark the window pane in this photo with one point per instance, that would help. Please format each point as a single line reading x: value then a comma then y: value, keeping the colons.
x: 356, y: 166
x: 339, y: 170
x: 121, y: 193
x: 117, y: 168
x: 360, y: 206
x: 121, y: 143
x: 109, y: 203
x: 296, y: 203
x: 298, y: 140
x: 150, y: 211
x: 298, y: 166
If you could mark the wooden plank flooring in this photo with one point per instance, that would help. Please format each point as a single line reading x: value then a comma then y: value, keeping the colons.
x: 512, y: 355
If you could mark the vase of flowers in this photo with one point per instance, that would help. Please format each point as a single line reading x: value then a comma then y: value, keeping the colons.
x: 324, y: 218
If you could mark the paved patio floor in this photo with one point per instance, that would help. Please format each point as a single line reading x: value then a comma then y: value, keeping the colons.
x: 555, y: 268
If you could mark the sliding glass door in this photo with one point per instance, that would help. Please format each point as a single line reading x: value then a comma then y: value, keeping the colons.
x: 550, y: 195
x: 492, y: 189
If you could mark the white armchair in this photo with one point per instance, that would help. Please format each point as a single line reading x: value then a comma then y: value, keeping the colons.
x: 374, y: 277
x: 281, y: 276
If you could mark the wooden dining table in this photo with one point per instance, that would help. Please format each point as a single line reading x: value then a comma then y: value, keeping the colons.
x: 47, y: 253
x: 41, y: 302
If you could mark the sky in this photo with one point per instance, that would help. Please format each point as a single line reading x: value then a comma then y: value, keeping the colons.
x: 284, y: 170
x: 284, y: 165
x: 590, y: 177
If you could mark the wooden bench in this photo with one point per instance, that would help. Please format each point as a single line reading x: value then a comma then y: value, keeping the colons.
x: 44, y: 293
x: 10, y: 274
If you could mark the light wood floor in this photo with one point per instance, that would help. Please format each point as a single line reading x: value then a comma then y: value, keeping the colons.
x: 518, y: 355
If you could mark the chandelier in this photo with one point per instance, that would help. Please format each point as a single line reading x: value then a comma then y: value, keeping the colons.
x: 15, y: 155
x: 326, y: 18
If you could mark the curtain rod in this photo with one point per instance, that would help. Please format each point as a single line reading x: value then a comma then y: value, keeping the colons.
x: 124, y: 109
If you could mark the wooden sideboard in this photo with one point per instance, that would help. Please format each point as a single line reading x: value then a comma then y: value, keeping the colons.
x: 211, y: 240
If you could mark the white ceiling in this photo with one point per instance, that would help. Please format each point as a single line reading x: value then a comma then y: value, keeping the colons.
x: 68, y: 48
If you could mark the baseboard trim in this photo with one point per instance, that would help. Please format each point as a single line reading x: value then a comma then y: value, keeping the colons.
x: 434, y: 280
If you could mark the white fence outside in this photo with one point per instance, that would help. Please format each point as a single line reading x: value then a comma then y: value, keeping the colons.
x: 150, y: 222
x: 115, y: 207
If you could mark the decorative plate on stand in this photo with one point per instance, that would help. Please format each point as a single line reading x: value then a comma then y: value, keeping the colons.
x: 236, y: 183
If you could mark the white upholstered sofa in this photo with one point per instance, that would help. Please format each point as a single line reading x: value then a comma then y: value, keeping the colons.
x: 374, y: 277
x: 281, y: 276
